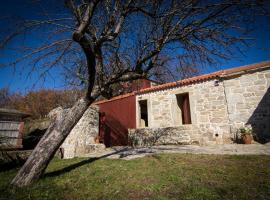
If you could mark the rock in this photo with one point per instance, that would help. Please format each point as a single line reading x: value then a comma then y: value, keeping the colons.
x: 55, y: 112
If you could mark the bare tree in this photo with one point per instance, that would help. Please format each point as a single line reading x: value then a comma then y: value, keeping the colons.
x: 114, y: 41
x: 4, y: 96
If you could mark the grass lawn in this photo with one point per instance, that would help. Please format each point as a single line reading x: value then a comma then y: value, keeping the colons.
x: 163, y: 176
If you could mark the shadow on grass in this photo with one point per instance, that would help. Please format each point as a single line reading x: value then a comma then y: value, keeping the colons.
x: 81, y: 163
x: 12, y: 159
x: 70, y: 167
x: 11, y: 165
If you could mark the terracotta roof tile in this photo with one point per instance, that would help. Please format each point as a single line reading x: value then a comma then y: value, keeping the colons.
x: 206, y: 76
x: 183, y: 82
x: 192, y: 80
x: 247, y: 67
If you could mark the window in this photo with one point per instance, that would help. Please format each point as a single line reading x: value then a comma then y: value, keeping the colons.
x: 184, y: 107
x: 143, y: 113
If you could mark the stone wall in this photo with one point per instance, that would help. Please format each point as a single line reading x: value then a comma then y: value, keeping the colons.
x: 170, y: 135
x: 81, y: 139
x: 248, y: 98
x: 207, y: 105
x: 219, y: 107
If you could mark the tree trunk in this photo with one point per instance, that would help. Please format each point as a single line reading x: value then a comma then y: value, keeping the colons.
x: 39, y: 159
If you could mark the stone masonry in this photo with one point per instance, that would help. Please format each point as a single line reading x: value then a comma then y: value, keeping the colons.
x: 219, y: 107
x: 159, y: 136
x: 82, y: 138
x: 248, y: 100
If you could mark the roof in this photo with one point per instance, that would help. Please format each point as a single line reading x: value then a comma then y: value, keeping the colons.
x: 195, y: 79
x: 221, y: 73
x: 7, y: 111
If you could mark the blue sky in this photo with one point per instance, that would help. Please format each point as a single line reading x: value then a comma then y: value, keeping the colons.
x: 18, y: 79
x: 259, y: 49
x: 23, y: 78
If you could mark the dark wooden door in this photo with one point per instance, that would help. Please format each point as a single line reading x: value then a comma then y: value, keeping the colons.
x: 186, y: 117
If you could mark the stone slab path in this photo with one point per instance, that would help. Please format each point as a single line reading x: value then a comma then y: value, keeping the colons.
x: 128, y: 153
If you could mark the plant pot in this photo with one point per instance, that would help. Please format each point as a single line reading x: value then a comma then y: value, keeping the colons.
x: 247, y: 139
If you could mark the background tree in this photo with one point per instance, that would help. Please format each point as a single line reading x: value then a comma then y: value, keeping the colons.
x: 4, y: 97
x: 9, y: 99
x: 31, y: 102
x: 103, y: 42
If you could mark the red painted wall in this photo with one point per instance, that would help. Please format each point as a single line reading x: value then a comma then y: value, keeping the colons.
x: 117, y: 116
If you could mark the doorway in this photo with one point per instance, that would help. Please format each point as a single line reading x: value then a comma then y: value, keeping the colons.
x: 184, y: 106
x: 143, y: 117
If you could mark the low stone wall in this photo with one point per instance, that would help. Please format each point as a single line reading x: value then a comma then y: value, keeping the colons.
x: 81, y: 139
x: 186, y: 134
x: 202, y: 134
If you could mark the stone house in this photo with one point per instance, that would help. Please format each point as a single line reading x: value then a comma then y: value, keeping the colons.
x: 206, y: 109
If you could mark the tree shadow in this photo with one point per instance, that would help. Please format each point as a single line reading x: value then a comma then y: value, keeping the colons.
x: 81, y: 163
x: 12, y: 159
x: 115, y: 133
x: 260, y: 119
x: 70, y: 168
x: 11, y: 165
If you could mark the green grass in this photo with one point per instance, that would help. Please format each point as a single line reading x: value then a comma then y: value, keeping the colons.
x: 163, y: 176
